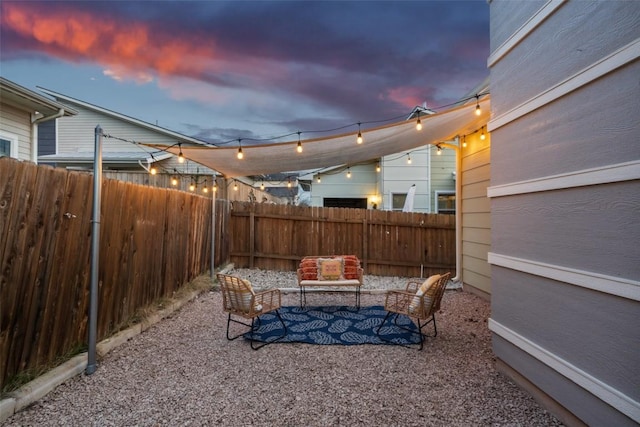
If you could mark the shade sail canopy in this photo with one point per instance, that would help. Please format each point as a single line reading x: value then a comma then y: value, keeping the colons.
x: 342, y: 149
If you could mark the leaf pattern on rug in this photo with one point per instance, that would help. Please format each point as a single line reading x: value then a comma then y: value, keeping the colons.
x: 338, y: 325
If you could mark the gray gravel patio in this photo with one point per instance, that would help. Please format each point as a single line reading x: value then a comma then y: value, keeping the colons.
x: 183, y: 371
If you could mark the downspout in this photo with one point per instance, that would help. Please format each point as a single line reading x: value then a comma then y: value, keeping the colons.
x: 34, y: 132
x: 458, y: 278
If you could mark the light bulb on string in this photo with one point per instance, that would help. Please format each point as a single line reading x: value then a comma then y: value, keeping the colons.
x: 215, y: 186
x: 348, y: 172
x: 318, y: 178
x: 439, y: 152
x: 359, y: 139
x: 174, y: 181
x: 235, y: 186
x: 408, y: 159
x: 153, y: 171
x: 464, y: 141
x: 240, y: 154
x: 478, y: 111
x: 482, y: 135
x: 262, y: 185
x: 205, y: 189
x: 192, y: 187
x: 377, y: 167
x: 418, y: 122
x: 299, y: 148
x: 180, y: 155
x: 289, y: 182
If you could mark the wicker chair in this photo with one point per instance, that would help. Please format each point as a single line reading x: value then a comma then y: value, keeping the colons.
x: 239, y: 299
x: 420, y: 303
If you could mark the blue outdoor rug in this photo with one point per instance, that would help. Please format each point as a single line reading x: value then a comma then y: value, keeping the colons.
x: 334, y: 325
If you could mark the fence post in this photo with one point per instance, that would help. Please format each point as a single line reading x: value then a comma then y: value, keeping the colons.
x: 95, y: 251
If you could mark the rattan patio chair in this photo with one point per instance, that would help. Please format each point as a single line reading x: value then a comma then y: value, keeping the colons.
x: 418, y: 302
x: 239, y: 299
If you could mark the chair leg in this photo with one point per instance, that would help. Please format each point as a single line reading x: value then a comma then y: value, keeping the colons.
x: 229, y: 320
x: 254, y: 328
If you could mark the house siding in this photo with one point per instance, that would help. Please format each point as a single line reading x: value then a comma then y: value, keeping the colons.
x: 476, y: 214
x: 442, y: 168
x: 17, y: 122
x: 362, y: 184
x: 565, y: 278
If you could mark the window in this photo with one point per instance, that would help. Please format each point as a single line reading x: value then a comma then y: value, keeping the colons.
x: 446, y: 202
x: 336, y: 202
x: 397, y: 201
x: 8, y: 145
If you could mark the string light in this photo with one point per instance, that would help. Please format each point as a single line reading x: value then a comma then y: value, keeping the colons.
x: 153, y: 171
x: 377, y: 167
x: 464, y: 141
x: 180, y: 155
x: 408, y: 159
x: 418, y: 123
x: 235, y: 186
x: 482, y: 135
x: 349, y: 172
x: 192, y: 187
x: 174, y: 181
x: 299, y: 143
x: 215, y: 186
x: 439, y: 152
x: 262, y: 186
x: 359, y: 138
x: 478, y: 112
x: 240, y: 154
x: 289, y: 182
x: 318, y: 178
x: 205, y: 189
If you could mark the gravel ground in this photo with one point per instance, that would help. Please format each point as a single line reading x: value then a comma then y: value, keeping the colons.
x: 183, y: 371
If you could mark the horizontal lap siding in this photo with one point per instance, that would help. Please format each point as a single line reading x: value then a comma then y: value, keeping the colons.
x: 590, y: 336
x: 596, y: 125
x: 575, y: 324
x: 17, y: 122
x: 513, y: 15
x: 476, y: 213
x: 558, y: 48
x: 592, y: 228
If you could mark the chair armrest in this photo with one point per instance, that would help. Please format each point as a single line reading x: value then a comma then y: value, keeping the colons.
x: 269, y: 299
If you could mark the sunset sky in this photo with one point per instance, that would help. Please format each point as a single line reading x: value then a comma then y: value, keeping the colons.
x: 221, y: 71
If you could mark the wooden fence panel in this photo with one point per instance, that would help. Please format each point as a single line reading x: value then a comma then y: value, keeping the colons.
x: 152, y: 242
x: 388, y: 243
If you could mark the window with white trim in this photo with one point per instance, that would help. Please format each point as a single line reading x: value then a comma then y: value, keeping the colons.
x: 446, y: 202
x: 8, y: 145
x: 397, y: 201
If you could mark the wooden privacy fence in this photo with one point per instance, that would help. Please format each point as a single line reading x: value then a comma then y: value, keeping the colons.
x: 276, y: 237
x: 153, y: 241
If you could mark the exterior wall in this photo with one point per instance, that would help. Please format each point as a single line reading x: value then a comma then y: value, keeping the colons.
x: 398, y: 176
x: 76, y: 135
x: 476, y: 214
x: 442, y: 175
x: 336, y: 184
x: 565, y: 192
x: 16, y: 123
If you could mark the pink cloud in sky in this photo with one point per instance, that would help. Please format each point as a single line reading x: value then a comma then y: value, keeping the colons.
x: 117, y: 44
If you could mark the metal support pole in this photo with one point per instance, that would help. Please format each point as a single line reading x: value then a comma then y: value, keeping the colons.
x: 95, y: 252
x: 213, y: 227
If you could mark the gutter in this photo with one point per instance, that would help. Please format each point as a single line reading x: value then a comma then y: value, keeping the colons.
x: 457, y: 280
x: 34, y: 132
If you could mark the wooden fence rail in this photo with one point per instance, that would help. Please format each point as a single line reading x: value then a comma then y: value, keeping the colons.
x: 155, y: 240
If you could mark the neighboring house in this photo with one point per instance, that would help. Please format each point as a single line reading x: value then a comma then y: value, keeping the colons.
x: 565, y: 204
x: 70, y: 142
x: 21, y: 111
x: 385, y: 183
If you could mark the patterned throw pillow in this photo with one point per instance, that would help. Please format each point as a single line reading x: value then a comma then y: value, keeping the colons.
x: 426, y: 287
x: 330, y: 269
